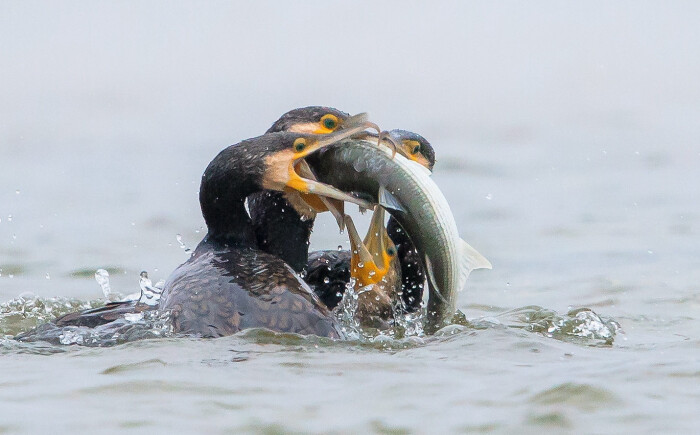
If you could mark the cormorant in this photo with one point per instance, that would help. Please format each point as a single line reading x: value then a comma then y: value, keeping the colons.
x: 281, y: 218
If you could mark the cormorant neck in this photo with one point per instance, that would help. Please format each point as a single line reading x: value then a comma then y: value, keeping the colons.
x: 233, y: 175
x: 230, y: 225
x: 279, y: 229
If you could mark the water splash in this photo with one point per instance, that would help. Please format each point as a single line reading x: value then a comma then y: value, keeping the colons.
x: 345, y: 312
x: 150, y: 294
x: 149, y: 324
x: 402, y: 325
x: 27, y: 311
x: 102, y: 278
x: 581, y: 325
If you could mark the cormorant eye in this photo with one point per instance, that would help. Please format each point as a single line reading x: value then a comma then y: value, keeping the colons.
x: 329, y: 122
x: 391, y: 251
x: 412, y: 146
x: 299, y: 145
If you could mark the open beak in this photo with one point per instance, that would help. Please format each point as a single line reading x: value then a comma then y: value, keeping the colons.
x: 376, y: 238
x: 362, y: 266
x: 369, y: 262
x: 305, y: 183
x: 359, y: 251
x: 321, y: 203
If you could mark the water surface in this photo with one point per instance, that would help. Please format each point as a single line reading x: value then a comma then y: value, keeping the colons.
x: 568, y: 144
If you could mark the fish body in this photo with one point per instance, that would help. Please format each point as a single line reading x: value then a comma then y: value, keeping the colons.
x: 407, y: 191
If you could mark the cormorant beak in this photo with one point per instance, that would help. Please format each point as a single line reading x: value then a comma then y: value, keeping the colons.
x: 377, y: 239
x: 369, y: 261
x: 306, y: 182
x: 321, y: 203
x: 282, y: 166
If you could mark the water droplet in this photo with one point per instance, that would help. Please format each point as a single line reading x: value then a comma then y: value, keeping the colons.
x: 326, y: 280
x: 340, y: 247
x: 9, y: 218
x: 650, y: 252
x: 360, y: 265
x: 11, y: 275
x: 17, y: 191
x: 178, y: 237
x: 372, y: 273
x: 489, y: 196
x: 14, y: 237
x: 133, y: 224
x: 48, y: 276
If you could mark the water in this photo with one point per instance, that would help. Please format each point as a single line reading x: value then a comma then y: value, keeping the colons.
x: 568, y: 147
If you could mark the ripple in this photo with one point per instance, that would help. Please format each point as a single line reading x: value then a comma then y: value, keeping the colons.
x: 555, y: 419
x: 129, y: 367
x: 582, y: 396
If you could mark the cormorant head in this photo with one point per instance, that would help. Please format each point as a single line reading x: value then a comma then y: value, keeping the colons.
x: 310, y: 120
x: 414, y: 147
x: 282, y: 164
x: 315, y: 120
x: 267, y: 162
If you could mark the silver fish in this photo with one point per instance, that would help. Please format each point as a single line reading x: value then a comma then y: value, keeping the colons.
x: 406, y: 190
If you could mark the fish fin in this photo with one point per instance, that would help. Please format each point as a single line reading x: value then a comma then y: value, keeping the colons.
x: 389, y: 201
x: 431, y: 279
x: 470, y: 259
